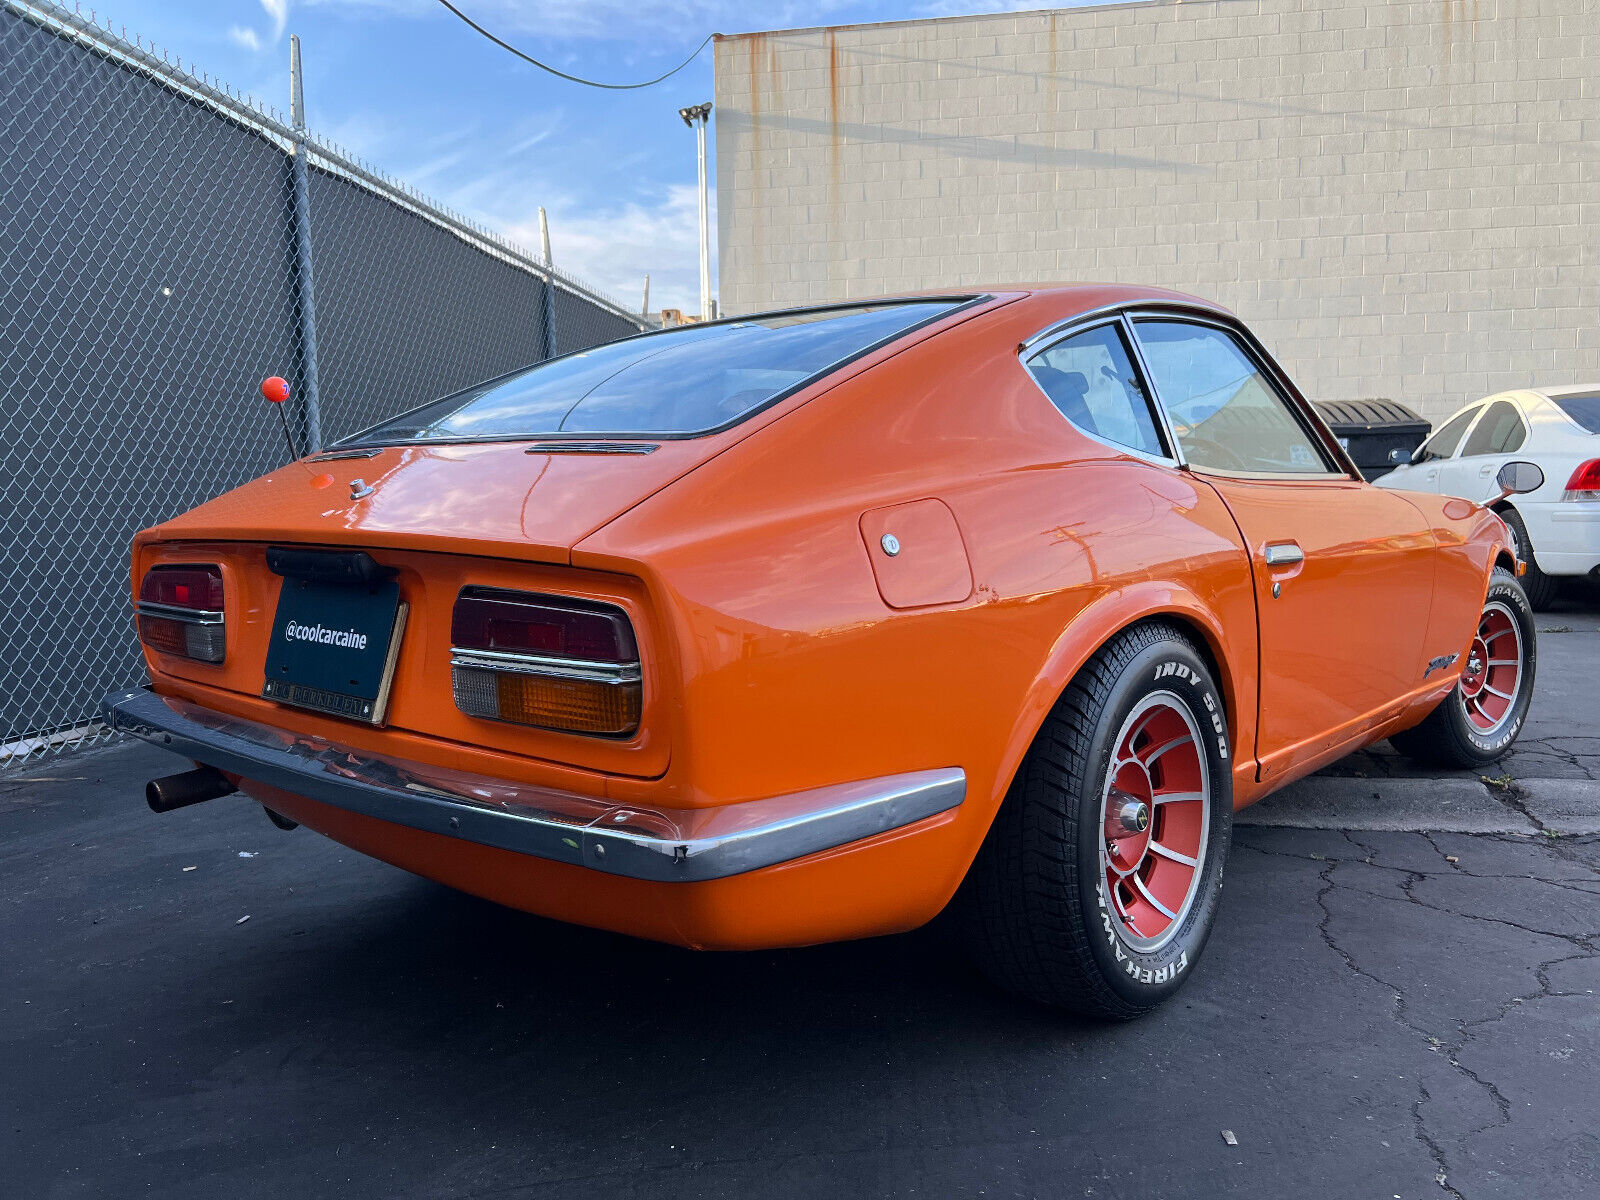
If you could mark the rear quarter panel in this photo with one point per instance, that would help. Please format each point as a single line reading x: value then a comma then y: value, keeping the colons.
x: 798, y: 674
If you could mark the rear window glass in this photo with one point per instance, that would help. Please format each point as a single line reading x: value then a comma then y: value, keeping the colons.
x: 1584, y: 409
x: 677, y: 383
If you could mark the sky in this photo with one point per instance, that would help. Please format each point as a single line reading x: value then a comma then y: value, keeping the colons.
x: 408, y: 87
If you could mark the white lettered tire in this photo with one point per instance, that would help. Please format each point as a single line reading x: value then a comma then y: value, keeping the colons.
x: 1098, y: 884
x: 1484, y: 714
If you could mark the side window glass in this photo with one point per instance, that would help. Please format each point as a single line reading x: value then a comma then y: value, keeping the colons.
x: 1443, y: 444
x: 1090, y: 378
x: 1500, y: 431
x: 1226, y: 415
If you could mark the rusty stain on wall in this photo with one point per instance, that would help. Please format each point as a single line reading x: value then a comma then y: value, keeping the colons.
x: 833, y: 114
x: 755, y: 43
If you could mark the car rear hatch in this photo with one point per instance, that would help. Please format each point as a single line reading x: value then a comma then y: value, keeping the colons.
x: 437, y: 520
x: 458, y: 497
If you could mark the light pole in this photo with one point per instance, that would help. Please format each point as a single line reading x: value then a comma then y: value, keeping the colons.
x: 696, y: 116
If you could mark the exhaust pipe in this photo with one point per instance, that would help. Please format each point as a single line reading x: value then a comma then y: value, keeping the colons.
x: 192, y: 787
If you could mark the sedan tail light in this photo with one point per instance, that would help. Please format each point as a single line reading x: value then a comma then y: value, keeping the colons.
x: 549, y: 661
x: 181, y: 611
x: 1585, y: 482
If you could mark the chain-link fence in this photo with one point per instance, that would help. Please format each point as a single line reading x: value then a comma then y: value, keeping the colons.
x: 151, y: 274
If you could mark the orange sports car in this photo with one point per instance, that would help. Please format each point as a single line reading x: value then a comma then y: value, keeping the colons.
x: 809, y: 624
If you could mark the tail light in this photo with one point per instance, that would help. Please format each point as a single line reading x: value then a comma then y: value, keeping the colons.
x: 181, y: 611
x: 549, y: 661
x: 1585, y: 482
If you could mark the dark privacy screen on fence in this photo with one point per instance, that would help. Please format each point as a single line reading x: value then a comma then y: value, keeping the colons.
x: 147, y: 285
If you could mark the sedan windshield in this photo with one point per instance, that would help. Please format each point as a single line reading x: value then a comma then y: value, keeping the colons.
x: 674, y: 384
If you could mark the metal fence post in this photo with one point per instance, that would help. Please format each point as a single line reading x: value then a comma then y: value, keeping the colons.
x: 305, y: 294
x: 549, y: 287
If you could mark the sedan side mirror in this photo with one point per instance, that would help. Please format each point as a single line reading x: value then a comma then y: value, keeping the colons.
x: 1517, y: 478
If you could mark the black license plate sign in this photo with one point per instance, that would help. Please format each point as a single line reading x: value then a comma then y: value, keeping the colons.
x: 333, y: 647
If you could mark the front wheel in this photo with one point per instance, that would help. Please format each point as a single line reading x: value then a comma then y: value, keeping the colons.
x: 1481, y: 717
x: 1098, y: 884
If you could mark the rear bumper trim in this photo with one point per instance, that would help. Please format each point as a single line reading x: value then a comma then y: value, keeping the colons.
x: 662, y: 844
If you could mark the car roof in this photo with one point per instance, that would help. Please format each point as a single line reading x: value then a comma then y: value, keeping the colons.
x: 1081, y: 295
x: 1576, y: 389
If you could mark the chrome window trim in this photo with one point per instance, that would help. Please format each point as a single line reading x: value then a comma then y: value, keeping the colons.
x: 1088, y: 316
x: 1269, y: 476
x: 1087, y: 322
x: 1299, y: 408
x: 171, y: 612
x: 669, y: 845
x: 541, y: 664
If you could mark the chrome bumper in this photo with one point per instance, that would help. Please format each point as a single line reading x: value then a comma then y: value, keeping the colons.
x: 677, y: 845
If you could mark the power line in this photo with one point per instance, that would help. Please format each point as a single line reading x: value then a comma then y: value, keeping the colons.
x: 528, y: 58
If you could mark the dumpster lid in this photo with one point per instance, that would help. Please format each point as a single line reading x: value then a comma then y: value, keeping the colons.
x: 1370, y: 415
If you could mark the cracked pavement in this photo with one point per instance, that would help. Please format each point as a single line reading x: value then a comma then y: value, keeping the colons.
x: 1380, y: 1013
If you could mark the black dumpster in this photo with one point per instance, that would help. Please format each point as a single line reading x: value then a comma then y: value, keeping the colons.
x: 1379, y: 434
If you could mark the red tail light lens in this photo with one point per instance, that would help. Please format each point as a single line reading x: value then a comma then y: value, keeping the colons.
x: 1585, y: 482
x: 522, y: 623
x: 181, y: 611
x: 549, y: 661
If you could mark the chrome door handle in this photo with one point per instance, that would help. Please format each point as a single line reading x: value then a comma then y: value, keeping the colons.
x: 1283, y: 554
x: 1485, y: 469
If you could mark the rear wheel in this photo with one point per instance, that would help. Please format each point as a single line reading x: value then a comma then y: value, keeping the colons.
x: 1481, y: 717
x: 1098, y: 884
x: 1541, y: 589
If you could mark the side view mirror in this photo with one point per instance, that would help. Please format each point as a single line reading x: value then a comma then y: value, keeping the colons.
x: 1517, y: 478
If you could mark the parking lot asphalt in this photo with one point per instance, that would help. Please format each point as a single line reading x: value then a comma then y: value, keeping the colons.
x: 1380, y: 1013
x: 1550, y: 782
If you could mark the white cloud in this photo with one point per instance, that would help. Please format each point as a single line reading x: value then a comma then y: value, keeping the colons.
x: 612, y: 247
x: 653, y: 26
x: 278, y: 11
x: 246, y: 38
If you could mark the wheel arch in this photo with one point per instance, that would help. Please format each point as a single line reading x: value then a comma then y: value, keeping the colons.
x: 1105, y: 619
x: 1502, y: 554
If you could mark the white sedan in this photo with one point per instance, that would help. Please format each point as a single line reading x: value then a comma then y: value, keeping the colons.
x: 1556, y: 529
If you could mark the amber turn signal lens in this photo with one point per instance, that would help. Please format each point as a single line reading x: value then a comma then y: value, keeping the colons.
x: 580, y: 705
x: 550, y: 702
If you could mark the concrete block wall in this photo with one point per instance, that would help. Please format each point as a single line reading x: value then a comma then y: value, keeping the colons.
x: 1403, y: 199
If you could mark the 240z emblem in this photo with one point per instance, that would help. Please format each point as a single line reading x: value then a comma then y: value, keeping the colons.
x: 1440, y: 663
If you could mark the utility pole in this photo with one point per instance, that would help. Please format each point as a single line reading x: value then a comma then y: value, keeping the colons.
x: 644, y: 309
x: 696, y: 117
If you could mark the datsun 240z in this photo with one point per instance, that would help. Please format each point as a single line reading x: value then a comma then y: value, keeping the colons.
x: 806, y: 625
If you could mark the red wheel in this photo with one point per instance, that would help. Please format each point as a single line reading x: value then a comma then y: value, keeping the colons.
x: 1493, y: 674
x: 1480, y: 719
x: 1101, y: 877
x: 1155, y: 810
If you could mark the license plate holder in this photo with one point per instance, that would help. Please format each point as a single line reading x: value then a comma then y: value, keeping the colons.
x: 334, y: 647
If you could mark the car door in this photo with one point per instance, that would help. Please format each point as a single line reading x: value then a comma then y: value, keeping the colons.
x: 1342, y: 570
x: 1499, y: 433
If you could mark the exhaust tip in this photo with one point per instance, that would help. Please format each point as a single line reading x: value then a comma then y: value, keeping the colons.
x: 191, y: 787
